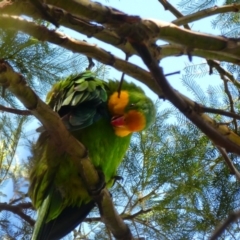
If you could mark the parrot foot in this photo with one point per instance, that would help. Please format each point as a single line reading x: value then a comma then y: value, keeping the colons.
x: 100, y: 186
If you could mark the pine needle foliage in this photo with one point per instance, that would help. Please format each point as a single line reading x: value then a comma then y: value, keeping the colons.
x: 41, y: 64
x: 175, y: 183
x: 191, y: 6
x: 175, y: 186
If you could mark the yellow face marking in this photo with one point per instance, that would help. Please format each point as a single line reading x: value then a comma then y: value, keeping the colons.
x: 116, y: 105
x: 134, y: 122
x: 121, y: 132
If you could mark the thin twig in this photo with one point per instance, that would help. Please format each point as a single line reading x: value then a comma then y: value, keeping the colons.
x: 15, y: 111
x: 122, y: 78
x: 225, y: 81
x: 17, y: 199
x: 124, y: 216
x: 17, y: 209
x: 226, y: 77
x: 172, y: 73
x: 229, y: 163
x: 133, y: 216
x: 222, y: 227
x: 217, y: 111
x: 206, y: 13
x: 173, y: 10
x: 215, y: 64
x: 147, y: 196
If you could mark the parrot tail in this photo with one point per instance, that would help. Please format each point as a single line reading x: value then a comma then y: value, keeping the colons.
x: 67, y: 221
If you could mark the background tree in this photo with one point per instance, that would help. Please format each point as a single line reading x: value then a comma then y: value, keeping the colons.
x: 176, y: 183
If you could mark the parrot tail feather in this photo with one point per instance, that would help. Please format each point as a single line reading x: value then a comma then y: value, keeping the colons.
x: 67, y: 221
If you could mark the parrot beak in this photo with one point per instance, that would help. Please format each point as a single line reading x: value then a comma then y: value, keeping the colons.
x: 118, y: 121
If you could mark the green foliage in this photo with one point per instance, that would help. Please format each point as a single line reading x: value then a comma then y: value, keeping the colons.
x: 41, y: 64
x: 176, y: 185
x: 30, y: 57
x: 228, y: 24
x: 191, y: 6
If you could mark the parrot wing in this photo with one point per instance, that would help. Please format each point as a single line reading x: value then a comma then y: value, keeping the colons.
x: 80, y: 100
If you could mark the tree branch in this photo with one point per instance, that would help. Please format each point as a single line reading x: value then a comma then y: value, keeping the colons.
x: 145, y: 197
x: 222, y: 72
x: 231, y: 218
x: 235, y: 7
x: 231, y: 103
x: 42, y: 9
x: 15, y: 111
x: 173, y: 10
x: 181, y: 102
x: 17, y: 209
x: 145, y: 29
x: 123, y: 216
x: 133, y: 216
x: 107, y: 35
x: 219, y: 134
x: 91, y: 50
x: 217, y: 111
x: 5, y: 3
x: 229, y: 163
x: 226, y: 77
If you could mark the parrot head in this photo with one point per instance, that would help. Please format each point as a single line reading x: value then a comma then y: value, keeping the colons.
x: 131, y: 111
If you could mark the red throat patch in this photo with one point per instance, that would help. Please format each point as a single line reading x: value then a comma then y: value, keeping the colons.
x: 118, y: 121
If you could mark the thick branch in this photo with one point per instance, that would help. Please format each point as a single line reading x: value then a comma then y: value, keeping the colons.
x: 147, y: 30
x: 102, y: 33
x: 73, y: 22
x: 91, y: 50
x: 90, y: 10
x: 15, y: 83
x: 182, y: 103
x: 43, y: 12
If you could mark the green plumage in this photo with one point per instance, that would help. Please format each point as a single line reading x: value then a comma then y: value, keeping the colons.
x: 57, y: 190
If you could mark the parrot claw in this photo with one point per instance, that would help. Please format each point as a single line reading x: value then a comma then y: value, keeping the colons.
x: 100, y: 186
x: 117, y: 178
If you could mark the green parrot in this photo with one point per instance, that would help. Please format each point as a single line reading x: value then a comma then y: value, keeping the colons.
x: 100, y: 118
